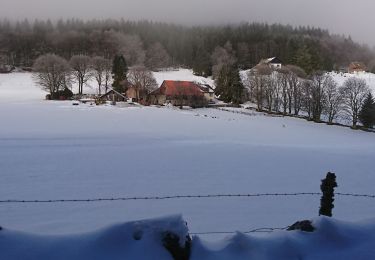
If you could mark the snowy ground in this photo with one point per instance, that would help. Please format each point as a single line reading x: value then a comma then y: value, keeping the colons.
x: 181, y: 74
x: 53, y: 150
x: 331, y: 239
x: 340, y: 78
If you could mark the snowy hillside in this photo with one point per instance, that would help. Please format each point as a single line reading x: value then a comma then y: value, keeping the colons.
x: 53, y: 150
x: 143, y: 240
x: 340, y: 78
x: 181, y: 74
x: 20, y: 86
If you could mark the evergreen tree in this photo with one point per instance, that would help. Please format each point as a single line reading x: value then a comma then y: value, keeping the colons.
x: 228, y: 85
x: 236, y: 86
x: 367, y: 113
x: 202, y: 64
x: 222, y: 83
x: 119, y: 73
x: 308, y: 59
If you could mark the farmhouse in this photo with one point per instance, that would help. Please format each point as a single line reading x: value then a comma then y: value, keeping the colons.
x: 357, y: 67
x: 178, y: 93
x: 273, y: 62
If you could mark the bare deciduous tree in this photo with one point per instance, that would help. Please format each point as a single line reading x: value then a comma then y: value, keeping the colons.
x: 101, y: 68
x: 278, y: 91
x: 354, y: 93
x: 282, y: 79
x: 81, y: 70
x: 51, y: 72
x: 307, y: 97
x: 269, y: 90
x: 318, y: 94
x: 295, y: 78
x: 142, y: 80
x: 333, y: 98
x: 259, y: 80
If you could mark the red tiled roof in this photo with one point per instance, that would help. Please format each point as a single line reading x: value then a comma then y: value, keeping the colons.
x: 178, y: 88
x: 357, y: 66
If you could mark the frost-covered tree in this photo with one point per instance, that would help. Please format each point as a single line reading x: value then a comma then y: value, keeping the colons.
x: 131, y: 46
x: 222, y: 56
x: 51, y: 73
x: 157, y: 57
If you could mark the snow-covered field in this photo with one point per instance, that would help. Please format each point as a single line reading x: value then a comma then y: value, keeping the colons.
x: 53, y: 150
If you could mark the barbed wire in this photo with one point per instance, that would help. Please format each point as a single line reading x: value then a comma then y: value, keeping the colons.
x: 355, y: 195
x: 257, y: 230
x: 184, y: 197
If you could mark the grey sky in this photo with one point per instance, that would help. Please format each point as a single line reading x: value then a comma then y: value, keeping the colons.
x: 339, y: 16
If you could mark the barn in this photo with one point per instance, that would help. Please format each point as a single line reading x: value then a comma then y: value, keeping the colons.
x: 178, y: 93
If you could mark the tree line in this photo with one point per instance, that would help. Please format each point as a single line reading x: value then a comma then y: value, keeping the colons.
x: 290, y: 91
x: 158, y: 45
x: 55, y: 74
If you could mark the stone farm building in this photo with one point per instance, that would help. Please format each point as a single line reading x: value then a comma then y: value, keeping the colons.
x: 178, y: 93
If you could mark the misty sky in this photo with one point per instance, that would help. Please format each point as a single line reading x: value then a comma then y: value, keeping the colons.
x: 339, y: 16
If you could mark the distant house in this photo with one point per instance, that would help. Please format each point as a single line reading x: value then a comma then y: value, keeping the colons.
x: 113, y: 95
x: 178, y: 93
x: 273, y: 62
x: 357, y: 67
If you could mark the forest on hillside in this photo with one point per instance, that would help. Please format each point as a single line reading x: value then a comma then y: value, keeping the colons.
x: 309, y: 48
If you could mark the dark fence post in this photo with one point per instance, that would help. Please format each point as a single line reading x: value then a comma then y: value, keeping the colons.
x: 328, y: 189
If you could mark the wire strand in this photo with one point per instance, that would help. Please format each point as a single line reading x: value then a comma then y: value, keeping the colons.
x: 185, y: 197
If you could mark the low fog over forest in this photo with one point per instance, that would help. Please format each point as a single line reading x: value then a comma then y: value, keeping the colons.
x: 193, y: 47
